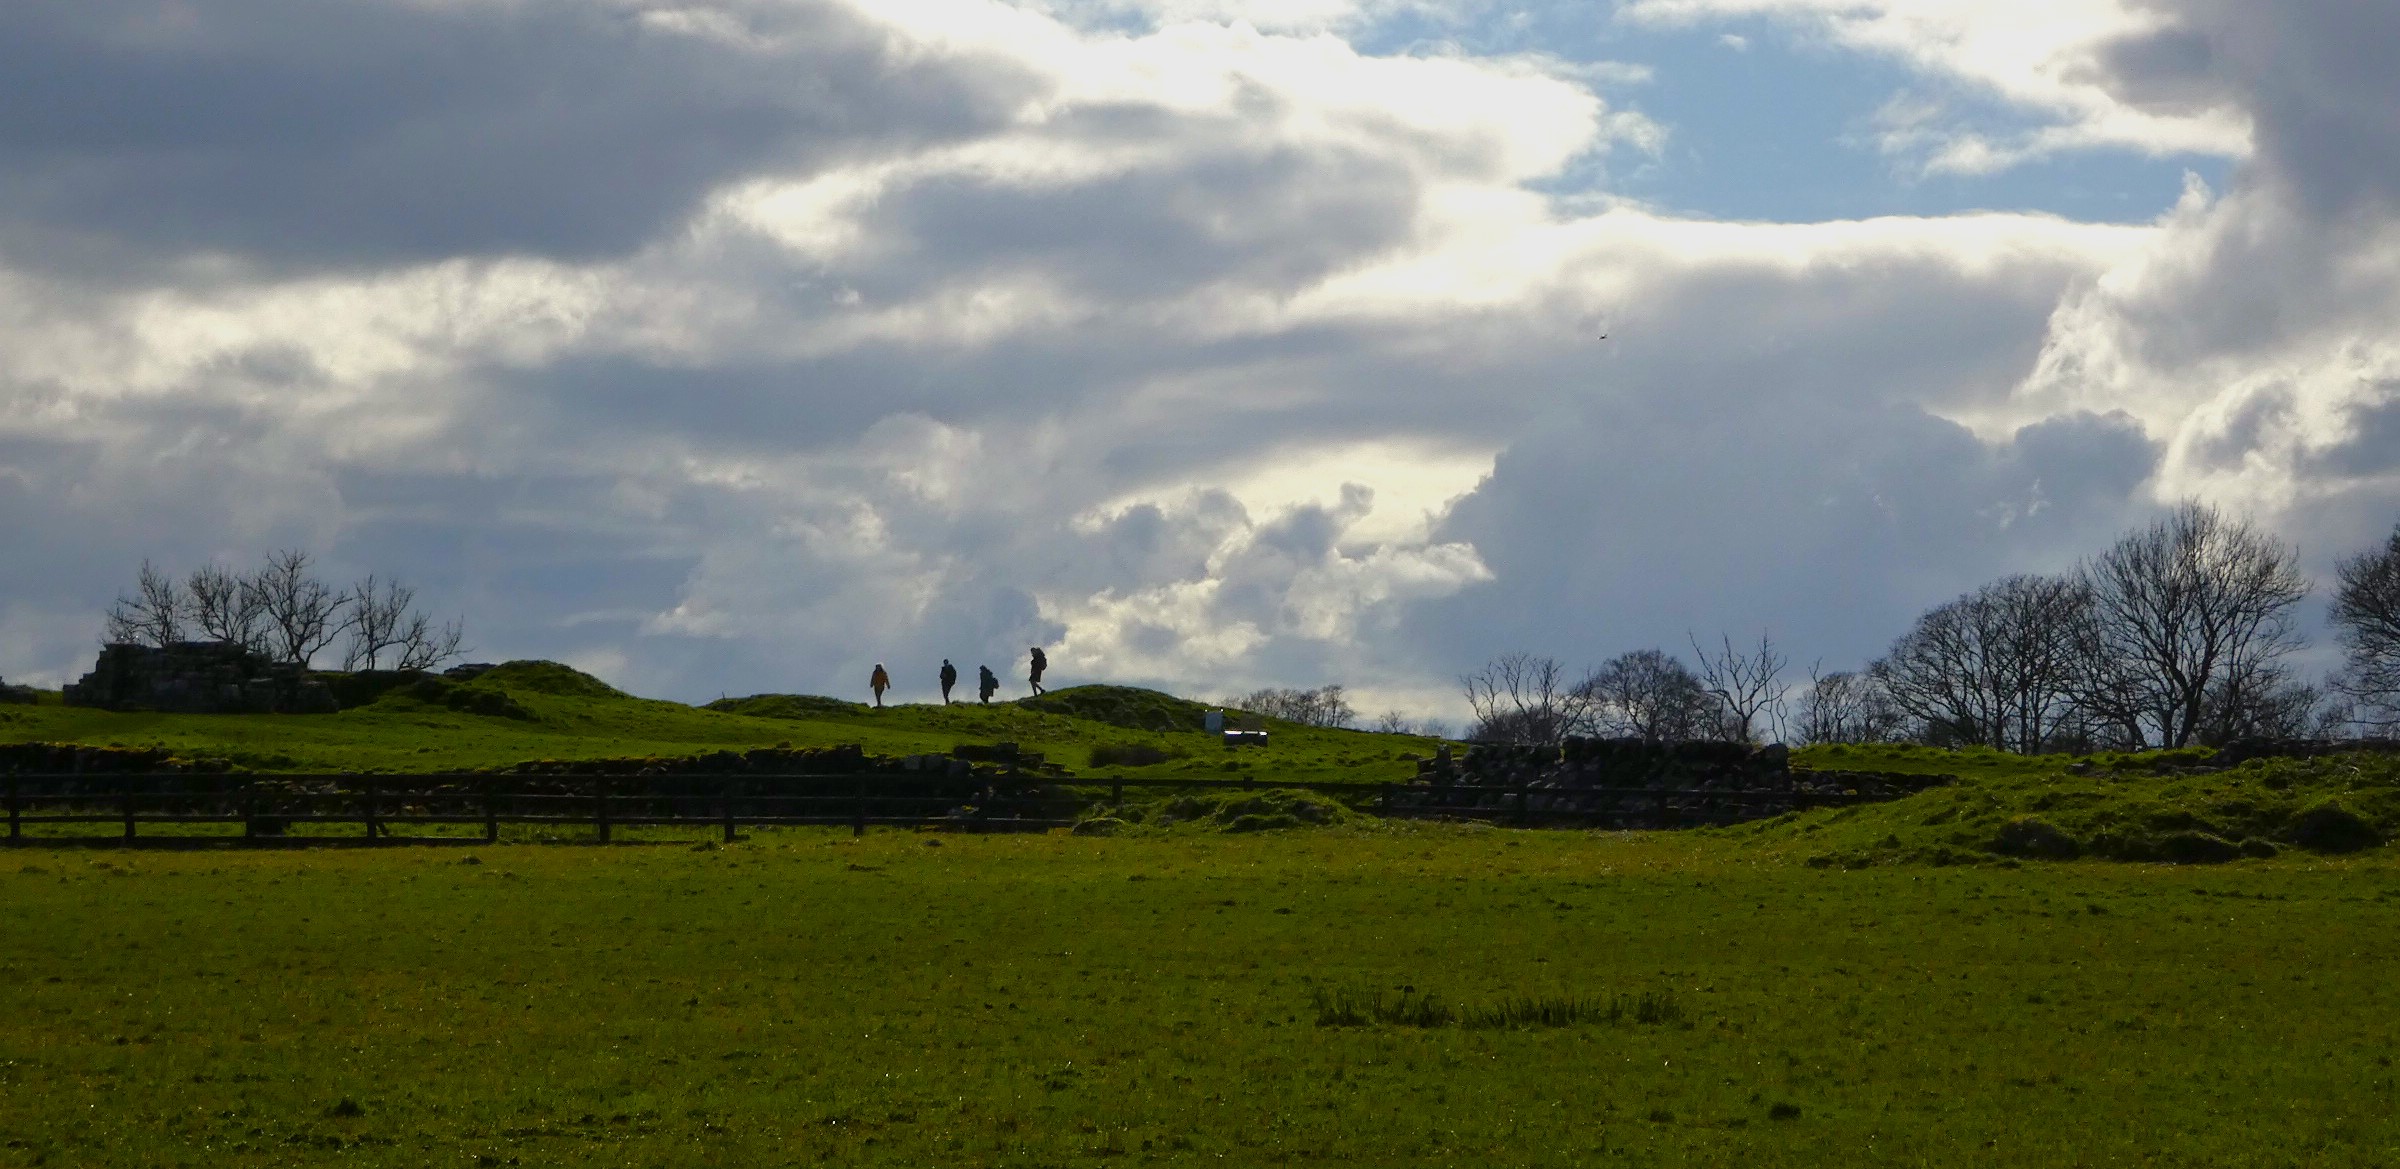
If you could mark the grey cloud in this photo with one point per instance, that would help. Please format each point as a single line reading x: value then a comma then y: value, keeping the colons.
x: 2372, y: 447
x: 1618, y: 530
x: 2315, y: 75
x: 376, y: 132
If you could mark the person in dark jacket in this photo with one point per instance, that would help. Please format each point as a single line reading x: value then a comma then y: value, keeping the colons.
x: 949, y: 679
x: 1040, y: 663
x: 879, y: 683
x: 989, y: 682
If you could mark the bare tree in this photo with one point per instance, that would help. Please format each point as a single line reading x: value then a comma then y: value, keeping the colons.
x: 224, y: 607
x: 2178, y: 609
x: 1649, y: 694
x: 1847, y: 707
x: 2366, y: 608
x: 1324, y: 706
x: 153, y: 615
x: 301, y: 614
x: 1998, y: 667
x: 1520, y: 698
x: 1434, y: 728
x: 2265, y: 701
x: 1750, y: 685
x: 379, y: 620
x: 1394, y: 722
x: 423, y: 646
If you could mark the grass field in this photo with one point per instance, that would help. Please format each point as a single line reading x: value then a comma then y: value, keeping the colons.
x: 912, y: 999
x: 1919, y: 982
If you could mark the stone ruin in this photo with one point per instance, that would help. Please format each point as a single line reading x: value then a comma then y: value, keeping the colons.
x: 1633, y: 783
x: 198, y: 677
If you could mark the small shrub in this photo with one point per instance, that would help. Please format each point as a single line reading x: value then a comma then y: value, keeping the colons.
x: 2328, y: 826
x: 2035, y: 837
x: 1133, y: 754
x: 1407, y: 1008
x: 2259, y: 849
x: 1783, y: 1110
x: 2197, y: 848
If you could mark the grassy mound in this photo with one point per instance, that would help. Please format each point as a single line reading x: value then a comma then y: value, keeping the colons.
x: 2130, y: 808
x: 1225, y: 811
x: 1122, y: 706
x: 552, y: 678
x: 800, y: 707
x: 465, y: 697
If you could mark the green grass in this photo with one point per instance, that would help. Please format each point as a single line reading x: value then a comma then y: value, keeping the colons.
x: 1227, y: 977
x: 2125, y: 807
x: 540, y: 710
x: 906, y: 999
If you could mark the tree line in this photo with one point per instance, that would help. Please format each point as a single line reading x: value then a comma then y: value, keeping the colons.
x: 2182, y: 632
x: 284, y: 612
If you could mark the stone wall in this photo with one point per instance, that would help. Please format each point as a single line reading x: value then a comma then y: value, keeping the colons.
x: 1632, y: 783
x: 198, y: 677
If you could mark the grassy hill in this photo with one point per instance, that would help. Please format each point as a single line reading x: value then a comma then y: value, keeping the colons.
x: 543, y: 710
x: 2156, y: 806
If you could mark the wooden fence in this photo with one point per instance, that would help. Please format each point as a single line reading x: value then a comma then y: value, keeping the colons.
x: 386, y: 808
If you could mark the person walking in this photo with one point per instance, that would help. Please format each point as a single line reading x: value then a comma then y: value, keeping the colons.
x: 989, y: 683
x: 1040, y: 663
x: 880, y: 682
x: 949, y: 679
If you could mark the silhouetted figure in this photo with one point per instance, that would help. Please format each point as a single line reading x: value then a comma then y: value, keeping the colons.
x: 990, y: 683
x: 949, y: 679
x: 880, y: 683
x: 1040, y: 663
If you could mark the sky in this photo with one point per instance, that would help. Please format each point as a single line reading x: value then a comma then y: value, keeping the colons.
x: 735, y: 346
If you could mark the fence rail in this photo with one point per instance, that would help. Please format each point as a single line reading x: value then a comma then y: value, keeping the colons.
x: 385, y: 807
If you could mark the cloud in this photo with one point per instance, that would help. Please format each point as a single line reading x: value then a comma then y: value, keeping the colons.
x: 2044, y: 60
x: 2254, y: 336
x: 305, y: 136
x: 1209, y: 354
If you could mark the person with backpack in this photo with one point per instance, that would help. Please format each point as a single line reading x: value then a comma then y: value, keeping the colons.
x: 1040, y: 663
x: 949, y: 679
x: 989, y: 683
x: 879, y: 683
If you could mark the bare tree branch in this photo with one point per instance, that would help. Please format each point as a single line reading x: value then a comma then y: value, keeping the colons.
x: 2366, y: 608
x: 302, y: 615
x: 154, y: 615
x: 1520, y: 698
x: 223, y: 607
x: 1648, y: 694
x: 1750, y: 685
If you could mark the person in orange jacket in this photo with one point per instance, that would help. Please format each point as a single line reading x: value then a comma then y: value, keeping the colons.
x: 879, y: 683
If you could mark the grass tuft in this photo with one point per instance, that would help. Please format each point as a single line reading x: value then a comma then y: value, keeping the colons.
x: 1346, y: 1007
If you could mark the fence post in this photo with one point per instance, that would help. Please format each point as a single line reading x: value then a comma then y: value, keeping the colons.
x: 249, y: 813
x: 366, y: 796
x: 491, y: 811
x: 128, y: 794
x: 600, y: 807
x: 725, y: 808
